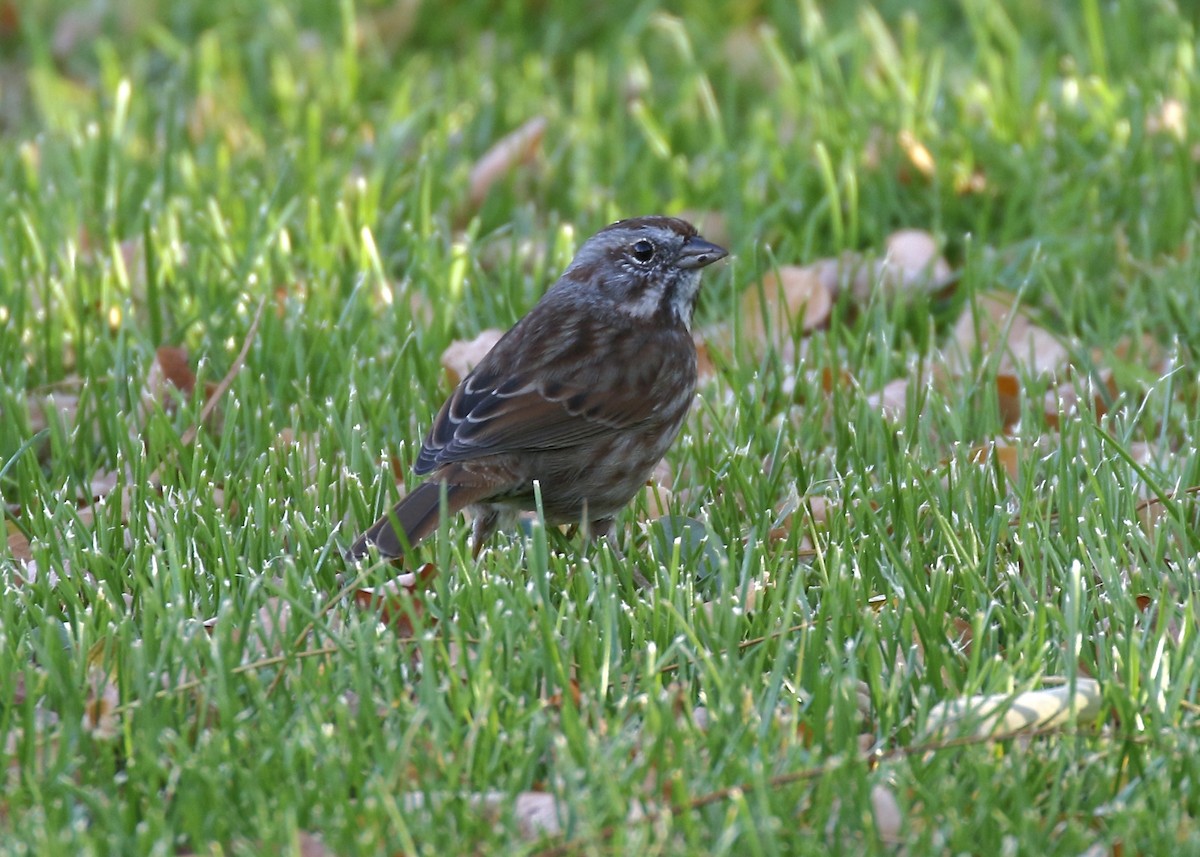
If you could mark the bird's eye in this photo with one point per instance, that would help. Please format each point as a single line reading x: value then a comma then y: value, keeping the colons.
x: 643, y: 250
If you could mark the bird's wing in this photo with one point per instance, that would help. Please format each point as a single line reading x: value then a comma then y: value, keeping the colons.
x: 491, y: 414
x: 557, y: 379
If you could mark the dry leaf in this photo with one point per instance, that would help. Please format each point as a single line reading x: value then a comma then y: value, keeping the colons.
x: 792, y: 298
x: 656, y: 499
x: 18, y: 544
x: 747, y: 58
x: 515, y: 148
x: 999, y: 715
x: 705, y: 369
x: 1169, y: 118
x: 99, y: 719
x: 911, y: 263
x: 61, y: 408
x: 273, y: 630
x: 105, y: 482
x: 398, y: 600
x: 1008, y: 400
x: 1008, y: 456
x: 537, y: 814
x: 913, y: 259
x: 996, y: 323
x: 885, y: 810
x: 918, y: 155
x: 171, y: 366
x: 970, y: 182
x: 1065, y: 401
x: 736, y: 600
x: 306, y: 446
x: 388, y: 25
x: 805, y: 513
x: 892, y: 400
x: 709, y: 223
x: 460, y: 356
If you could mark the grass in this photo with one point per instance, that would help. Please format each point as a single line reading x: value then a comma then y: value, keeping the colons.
x: 167, y: 167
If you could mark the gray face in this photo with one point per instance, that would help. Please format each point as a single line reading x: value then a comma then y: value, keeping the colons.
x: 645, y: 267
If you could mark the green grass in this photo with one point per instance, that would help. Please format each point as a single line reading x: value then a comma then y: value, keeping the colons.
x: 170, y: 166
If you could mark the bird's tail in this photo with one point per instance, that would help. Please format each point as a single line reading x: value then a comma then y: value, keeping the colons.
x: 413, y: 518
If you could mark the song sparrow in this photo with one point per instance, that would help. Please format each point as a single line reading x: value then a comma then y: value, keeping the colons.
x: 583, y: 395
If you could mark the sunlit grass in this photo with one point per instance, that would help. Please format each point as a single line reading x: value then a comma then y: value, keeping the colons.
x: 165, y: 175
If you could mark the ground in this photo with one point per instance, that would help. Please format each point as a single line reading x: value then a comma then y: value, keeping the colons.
x: 944, y: 449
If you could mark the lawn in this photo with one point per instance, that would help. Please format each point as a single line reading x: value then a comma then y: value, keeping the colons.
x: 923, y: 560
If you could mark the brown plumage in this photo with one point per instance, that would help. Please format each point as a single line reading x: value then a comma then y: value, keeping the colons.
x: 583, y: 395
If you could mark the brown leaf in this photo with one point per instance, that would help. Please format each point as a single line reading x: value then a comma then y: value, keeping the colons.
x: 918, y: 155
x: 911, y: 263
x: 892, y: 400
x: 1008, y: 399
x: 656, y: 499
x: 840, y: 381
x: 18, y: 544
x: 709, y: 223
x: 996, y: 323
x: 1008, y: 456
x: 1065, y: 401
x: 171, y: 365
x: 99, y: 718
x: 1170, y: 119
x: 705, y: 368
x: 792, y: 299
x: 964, y: 634
x: 537, y: 813
x: 748, y: 59
x: 10, y: 20
x: 214, y: 394
x: 885, y: 811
x: 104, y: 482
x: 461, y: 356
x: 399, y: 599
x: 519, y: 146
x: 387, y: 25
x: 306, y: 446
x: 62, y: 408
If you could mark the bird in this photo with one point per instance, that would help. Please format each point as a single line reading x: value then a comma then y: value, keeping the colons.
x: 582, y: 396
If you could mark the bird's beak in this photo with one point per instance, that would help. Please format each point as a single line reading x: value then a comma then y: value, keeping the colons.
x: 697, y: 253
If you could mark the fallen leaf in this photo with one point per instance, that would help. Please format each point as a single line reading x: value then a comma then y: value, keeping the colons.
x: 1008, y: 400
x: 170, y: 367
x: 656, y: 499
x: 99, y: 717
x: 995, y: 323
x: 709, y: 223
x: 18, y: 544
x: 885, y: 811
x: 399, y: 599
x: 62, y: 408
x: 892, y: 400
x: 911, y: 263
x: 306, y: 446
x: 705, y: 368
x: 1065, y: 400
x: 460, y: 356
x: 387, y: 25
x: 792, y: 300
x: 918, y: 155
x: 1007, y: 455
x: 999, y: 715
x: 537, y: 814
x: 517, y: 147
x: 1169, y: 118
